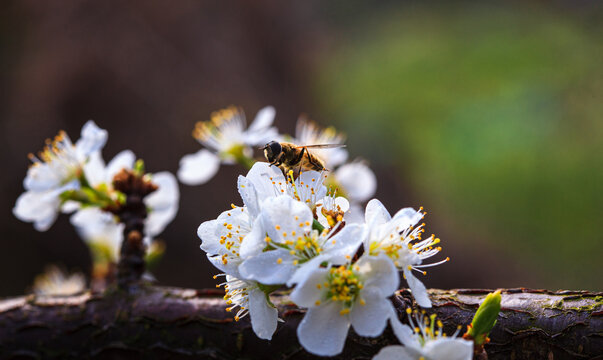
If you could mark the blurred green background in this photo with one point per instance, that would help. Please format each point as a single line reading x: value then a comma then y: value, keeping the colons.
x: 494, y: 117
x: 488, y: 115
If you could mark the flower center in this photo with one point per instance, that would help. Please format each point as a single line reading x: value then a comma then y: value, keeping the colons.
x: 59, y: 153
x: 343, y: 284
x: 302, y: 247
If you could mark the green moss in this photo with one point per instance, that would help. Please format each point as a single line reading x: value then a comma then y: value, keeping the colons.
x: 565, y: 304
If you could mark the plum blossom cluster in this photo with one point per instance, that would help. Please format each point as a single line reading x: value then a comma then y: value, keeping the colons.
x: 73, y: 178
x: 294, y: 233
x: 310, y: 232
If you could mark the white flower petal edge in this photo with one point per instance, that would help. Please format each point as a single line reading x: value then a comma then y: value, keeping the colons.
x: 123, y: 160
x: 221, y: 239
x: 323, y: 331
x: 376, y: 213
x: 357, y: 180
x: 371, y: 319
x: 260, y: 131
x: 198, y: 168
x: 449, y: 349
x: 163, y: 203
x: 41, y: 207
x: 418, y: 290
x: 92, y: 139
x: 395, y: 352
x: 264, y: 317
x: 267, y: 269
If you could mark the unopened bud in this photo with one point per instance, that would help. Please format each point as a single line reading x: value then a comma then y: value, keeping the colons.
x: 485, y: 318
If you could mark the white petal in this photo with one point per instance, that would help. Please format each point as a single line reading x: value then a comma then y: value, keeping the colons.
x: 395, y: 352
x: 263, y: 119
x: 407, y: 217
x: 264, y: 267
x: 403, y: 332
x: 37, y: 207
x: 357, y: 180
x: 123, y: 160
x: 449, y: 349
x: 96, y: 226
x: 323, y: 330
x: 249, y: 196
x: 376, y: 214
x: 163, y: 203
x: 355, y: 215
x: 92, y: 139
x: 307, y: 292
x: 264, y: 317
x: 254, y: 242
x: 283, y: 215
x: 94, y: 169
x: 345, y: 243
x: 371, y: 318
x: 231, y: 267
x: 380, y: 272
x: 306, y: 269
x: 207, y: 232
x: 41, y: 178
x: 198, y: 168
x: 335, y: 157
x: 342, y: 203
x: 70, y: 206
x: 263, y: 137
x: 418, y: 290
x: 260, y: 176
x: 306, y: 182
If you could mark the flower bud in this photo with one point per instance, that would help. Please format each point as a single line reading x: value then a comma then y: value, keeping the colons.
x: 485, y: 318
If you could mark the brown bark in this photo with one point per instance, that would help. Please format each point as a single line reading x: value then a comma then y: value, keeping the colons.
x: 161, y: 322
x: 132, y: 214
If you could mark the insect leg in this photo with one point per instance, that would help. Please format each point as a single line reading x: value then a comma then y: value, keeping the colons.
x: 317, y: 166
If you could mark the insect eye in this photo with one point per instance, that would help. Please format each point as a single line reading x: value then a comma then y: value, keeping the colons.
x: 275, y: 147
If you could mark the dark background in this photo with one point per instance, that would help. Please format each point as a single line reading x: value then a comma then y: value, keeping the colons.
x: 487, y: 115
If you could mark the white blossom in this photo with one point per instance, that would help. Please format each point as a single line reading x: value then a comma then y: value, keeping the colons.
x: 221, y: 239
x: 56, y: 282
x: 353, y: 294
x: 426, y: 342
x: 103, y: 229
x: 399, y: 239
x: 226, y: 140
x: 55, y: 170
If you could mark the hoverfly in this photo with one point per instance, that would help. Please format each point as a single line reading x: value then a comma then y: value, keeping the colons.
x: 294, y: 157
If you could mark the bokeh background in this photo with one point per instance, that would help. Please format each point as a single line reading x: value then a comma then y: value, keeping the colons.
x: 488, y: 115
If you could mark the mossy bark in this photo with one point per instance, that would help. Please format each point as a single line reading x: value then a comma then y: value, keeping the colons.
x: 159, y: 322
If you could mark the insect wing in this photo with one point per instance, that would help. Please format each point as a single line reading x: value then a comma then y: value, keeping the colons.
x: 322, y: 146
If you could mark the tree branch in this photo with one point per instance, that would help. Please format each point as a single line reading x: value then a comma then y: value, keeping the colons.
x: 169, y: 322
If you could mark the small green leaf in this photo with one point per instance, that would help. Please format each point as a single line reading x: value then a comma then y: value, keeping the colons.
x: 317, y: 226
x: 485, y: 318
